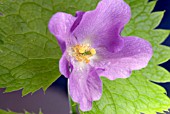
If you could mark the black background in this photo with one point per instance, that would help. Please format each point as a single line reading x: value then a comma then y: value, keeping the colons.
x: 165, y: 24
x: 55, y: 100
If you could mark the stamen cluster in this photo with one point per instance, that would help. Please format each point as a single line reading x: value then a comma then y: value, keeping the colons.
x: 82, y: 53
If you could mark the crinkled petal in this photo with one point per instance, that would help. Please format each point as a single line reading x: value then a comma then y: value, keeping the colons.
x: 64, y: 66
x: 135, y: 55
x: 60, y: 25
x: 79, y: 15
x: 85, y: 86
x: 102, y: 26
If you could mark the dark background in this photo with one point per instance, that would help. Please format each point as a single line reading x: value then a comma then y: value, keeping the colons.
x: 165, y: 24
x: 55, y: 100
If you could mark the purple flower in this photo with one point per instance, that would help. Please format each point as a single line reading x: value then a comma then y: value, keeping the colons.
x: 92, y: 47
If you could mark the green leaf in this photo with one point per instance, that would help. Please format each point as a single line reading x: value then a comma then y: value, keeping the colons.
x: 29, y: 54
x: 10, y: 112
x: 6, y: 112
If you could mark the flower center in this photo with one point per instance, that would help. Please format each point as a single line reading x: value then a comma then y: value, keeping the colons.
x: 82, y: 53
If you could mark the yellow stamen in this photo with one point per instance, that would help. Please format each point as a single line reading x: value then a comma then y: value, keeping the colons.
x: 82, y: 53
x: 82, y: 50
x: 87, y: 60
x: 93, y: 51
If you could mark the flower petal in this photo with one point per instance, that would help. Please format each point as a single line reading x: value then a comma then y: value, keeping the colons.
x: 103, y: 25
x: 135, y: 55
x: 64, y: 66
x: 60, y: 25
x: 85, y: 86
x: 79, y: 15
